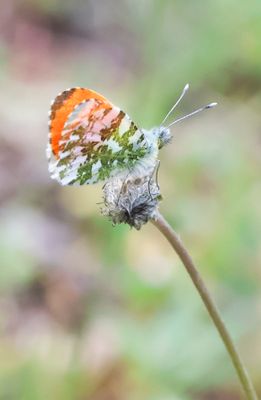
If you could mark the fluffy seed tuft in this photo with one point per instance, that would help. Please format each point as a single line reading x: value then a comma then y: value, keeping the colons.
x: 133, y: 201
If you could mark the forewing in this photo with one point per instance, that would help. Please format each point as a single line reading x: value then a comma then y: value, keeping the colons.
x: 93, y: 141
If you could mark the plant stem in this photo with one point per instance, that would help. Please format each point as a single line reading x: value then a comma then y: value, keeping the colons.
x: 180, y: 249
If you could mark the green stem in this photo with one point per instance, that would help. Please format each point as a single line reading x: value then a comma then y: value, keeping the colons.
x: 178, y: 246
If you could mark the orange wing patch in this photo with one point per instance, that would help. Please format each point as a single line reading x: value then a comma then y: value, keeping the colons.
x: 62, y: 107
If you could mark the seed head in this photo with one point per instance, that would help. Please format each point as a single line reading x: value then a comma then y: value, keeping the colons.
x: 133, y: 201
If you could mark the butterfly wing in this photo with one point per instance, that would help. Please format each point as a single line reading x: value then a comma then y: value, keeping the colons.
x: 90, y: 139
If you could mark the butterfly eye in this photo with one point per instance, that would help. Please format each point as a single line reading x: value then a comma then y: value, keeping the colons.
x: 164, y: 137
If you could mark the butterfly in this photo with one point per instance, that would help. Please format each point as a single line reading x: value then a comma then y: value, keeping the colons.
x: 91, y: 140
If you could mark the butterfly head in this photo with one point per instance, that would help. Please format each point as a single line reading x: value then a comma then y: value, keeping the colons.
x: 163, y: 135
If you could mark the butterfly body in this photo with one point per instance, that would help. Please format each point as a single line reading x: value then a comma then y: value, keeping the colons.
x: 91, y: 140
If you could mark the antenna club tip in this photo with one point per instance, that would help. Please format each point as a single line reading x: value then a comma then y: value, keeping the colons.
x: 211, y: 105
x: 186, y: 87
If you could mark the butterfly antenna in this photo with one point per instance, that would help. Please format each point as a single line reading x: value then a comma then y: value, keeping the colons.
x: 211, y: 105
x: 186, y: 88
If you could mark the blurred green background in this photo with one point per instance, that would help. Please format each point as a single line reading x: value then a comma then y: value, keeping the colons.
x: 89, y: 311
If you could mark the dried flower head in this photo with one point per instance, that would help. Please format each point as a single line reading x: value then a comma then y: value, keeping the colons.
x: 133, y: 201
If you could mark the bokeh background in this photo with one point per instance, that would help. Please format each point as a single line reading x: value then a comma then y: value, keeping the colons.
x: 91, y: 311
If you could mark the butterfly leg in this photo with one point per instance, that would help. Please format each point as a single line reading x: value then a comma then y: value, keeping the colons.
x: 156, y: 172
